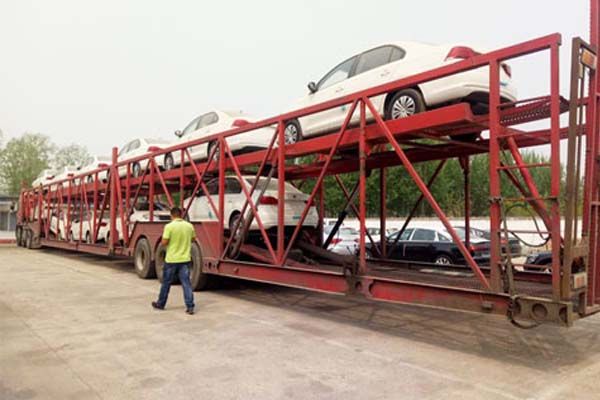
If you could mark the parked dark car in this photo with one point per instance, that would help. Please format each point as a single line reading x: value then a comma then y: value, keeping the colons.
x: 514, y: 244
x: 431, y: 246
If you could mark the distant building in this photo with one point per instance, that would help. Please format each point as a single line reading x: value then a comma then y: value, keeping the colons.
x: 8, y: 214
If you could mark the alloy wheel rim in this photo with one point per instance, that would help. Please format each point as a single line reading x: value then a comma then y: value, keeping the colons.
x: 291, y: 134
x: 404, y: 106
x: 442, y: 261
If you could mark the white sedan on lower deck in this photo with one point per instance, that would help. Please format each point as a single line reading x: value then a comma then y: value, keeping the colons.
x: 389, y: 63
x: 267, y: 204
x: 214, y: 122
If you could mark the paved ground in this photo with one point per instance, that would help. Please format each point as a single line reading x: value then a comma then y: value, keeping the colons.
x: 81, y: 327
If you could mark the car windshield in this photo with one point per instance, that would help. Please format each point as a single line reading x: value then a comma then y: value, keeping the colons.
x: 459, y: 231
x: 158, y: 141
x: 348, y: 231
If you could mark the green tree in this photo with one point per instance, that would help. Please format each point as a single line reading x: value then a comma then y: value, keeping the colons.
x: 71, y: 155
x: 23, y: 159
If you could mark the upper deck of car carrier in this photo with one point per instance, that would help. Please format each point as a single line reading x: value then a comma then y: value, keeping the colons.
x: 294, y: 256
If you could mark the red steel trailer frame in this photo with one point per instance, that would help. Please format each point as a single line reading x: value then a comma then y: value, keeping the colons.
x: 570, y: 291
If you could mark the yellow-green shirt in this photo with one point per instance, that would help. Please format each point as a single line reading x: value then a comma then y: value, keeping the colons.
x: 180, y: 234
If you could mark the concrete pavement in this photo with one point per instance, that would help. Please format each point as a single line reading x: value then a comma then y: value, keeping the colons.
x: 81, y: 327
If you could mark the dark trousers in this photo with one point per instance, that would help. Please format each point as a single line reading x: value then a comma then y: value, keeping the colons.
x: 182, y: 270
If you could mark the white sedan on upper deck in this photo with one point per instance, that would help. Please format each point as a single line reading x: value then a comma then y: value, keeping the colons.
x: 93, y: 163
x: 45, y: 177
x: 216, y: 122
x: 137, y: 148
x: 389, y: 63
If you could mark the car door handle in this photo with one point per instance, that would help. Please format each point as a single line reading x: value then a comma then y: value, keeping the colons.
x: 384, y: 73
x: 339, y: 90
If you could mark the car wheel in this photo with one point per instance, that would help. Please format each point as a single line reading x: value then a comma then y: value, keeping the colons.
x: 142, y: 259
x: 211, y: 146
x: 238, y: 239
x: 403, y: 104
x: 168, y: 163
x: 444, y: 259
x: 292, y: 132
x: 136, y: 170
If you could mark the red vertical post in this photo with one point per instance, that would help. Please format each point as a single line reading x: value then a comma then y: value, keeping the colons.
x: 495, y: 190
x: 383, y: 211
x: 95, y: 200
x: 114, y: 178
x: 221, y: 168
x: 280, y: 192
x: 151, y: 185
x: 465, y: 163
x: 555, y: 170
x: 592, y: 170
x: 362, y: 190
x: 181, y: 179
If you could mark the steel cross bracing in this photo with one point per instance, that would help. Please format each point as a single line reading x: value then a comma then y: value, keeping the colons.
x: 365, y: 142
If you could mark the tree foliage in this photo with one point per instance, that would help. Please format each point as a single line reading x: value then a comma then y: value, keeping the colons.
x: 448, y: 188
x: 23, y: 159
x: 71, y: 155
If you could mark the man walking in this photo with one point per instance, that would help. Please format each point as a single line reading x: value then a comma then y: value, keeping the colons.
x: 177, y: 238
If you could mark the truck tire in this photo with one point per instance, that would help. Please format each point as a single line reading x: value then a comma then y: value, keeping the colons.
x: 142, y: 259
x: 28, y: 238
x: 200, y: 280
x: 19, y: 236
x: 159, y: 261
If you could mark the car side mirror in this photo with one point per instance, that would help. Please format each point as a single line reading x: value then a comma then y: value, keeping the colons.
x: 178, y: 133
x: 312, y: 87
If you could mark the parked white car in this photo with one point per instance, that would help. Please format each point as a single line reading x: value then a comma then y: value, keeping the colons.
x: 92, y: 164
x: 388, y: 63
x: 45, y: 177
x: 65, y: 173
x: 295, y: 202
x: 215, y: 122
x: 345, y: 240
x: 136, y: 148
x: 140, y: 212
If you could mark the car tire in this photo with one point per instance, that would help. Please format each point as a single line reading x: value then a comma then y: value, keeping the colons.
x: 405, y: 103
x: 443, y: 259
x: 233, y: 251
x: 142, y: 259
x: 136, y: 170
x: 292, y: 132
x: 209, y: 150
x: 168, y: 162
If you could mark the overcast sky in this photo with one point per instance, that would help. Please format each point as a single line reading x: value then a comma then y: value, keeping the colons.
x: 100, y: 73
